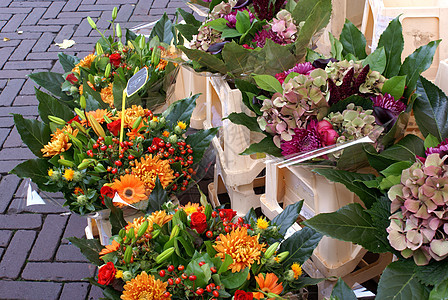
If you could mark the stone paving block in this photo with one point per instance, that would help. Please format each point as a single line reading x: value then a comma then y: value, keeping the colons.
x: 74, y: 290
x: 13, y: 140
x: 88, y: 2
x: 18, y: 205
x: 23, y: 49
x: 83, y: 29
x: 8, y: 165
x: 11, y: 90
x: 10, y: 74
x: 5, y: 3
x: 44, y: 42
x: 95, y: 293
x: 30, y: 290
x: 142, y: 7
x: 4, y: 54
x: 22, y: 221
x: 35, y: 15
x: 30, y: 4
x: 27, y: 65
x: 27, y: 111
x: 57, y: 271
x: 64, y: 34
x: 5, y: 122
x: 53, y: 10
x: 16, y: 153
x: 5, y: 236
x: 16, y: 253
x: 125, y: 13
x: 3, y: 84
x: 79, y: 14
x: 71, y: 21
x: 14, y: 23
x: 4, y: 132
x: 57, y: 68
x: 42, y: 55
x: 71, y: 5
x: 8, y: 186
x: 93, y: 7
x: 70, y: 253
x: 161, y: 11
x: 48, y: 239
x: 16, y: 10
x: 75, y: 227
x: 5, y: 17
x: 118, y: 2
x: 159, y: 4
x: 25, y: 100
x: 2, y: 250
x: 28, y: 88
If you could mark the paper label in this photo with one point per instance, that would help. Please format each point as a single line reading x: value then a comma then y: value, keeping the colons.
x: 33, y: 198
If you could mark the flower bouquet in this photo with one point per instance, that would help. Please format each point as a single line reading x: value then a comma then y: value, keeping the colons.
x: 328, y: 101
x: 102, y: 76
x: 239, y: 38
x: 195, y: 252
x: 82, y: 154
x: 404, y: 206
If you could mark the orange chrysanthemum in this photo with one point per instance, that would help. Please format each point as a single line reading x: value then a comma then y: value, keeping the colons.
x: 86, y: 62
x: 191, y: 208
x: 130, y: 188
x: 243, y: 248
x: 162, y: 64
x: 59, y: 142
x: 107, y: 95
x: 144, y: 287
x: 159, y: 217
x: 148, y: 168
x: 135, y: 133
x: 131, y: 114
x: 110, y: 248
x: 268, y: 284
x: 98, y: 115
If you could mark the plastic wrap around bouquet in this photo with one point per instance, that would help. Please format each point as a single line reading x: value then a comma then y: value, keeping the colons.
x: 239, y: 38
x: 195, y: 252
x: 350, y: 98
x: 102, y: 76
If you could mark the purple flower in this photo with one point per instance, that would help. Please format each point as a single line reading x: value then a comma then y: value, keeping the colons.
x: 301, y: 68
x: 442, y: 149
x: 386, y: 108
x: 262, y: 35
x: 231, y: 18
x: 303, y: 140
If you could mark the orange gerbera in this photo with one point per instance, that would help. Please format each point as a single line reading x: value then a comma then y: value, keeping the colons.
x: 98, y: 115
x: 86, y: 62
x: 107, y: 95
x: 159, y: 217
x: 130, y: 188
x: 243, y: 248
x: 59, y: 141
x: 144, y: 287
x: 148, y: 168
x: 268, y: 284
x: 110, y: 248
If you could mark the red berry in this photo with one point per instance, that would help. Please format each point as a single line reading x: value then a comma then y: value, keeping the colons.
x: 100, y: 139
x: 240, y: 220
x: 118, y: 163
x: 114, y: 171
x: 120, y: 156
x: 201, y: 263
x: 95, y: 146
x: 209, y: 288
x: 209, y: 234
x: 216, y: 293
x: 162, y: 273
x: 213, y: 269
x: 171, y: 150
x: 227, y: 229
x: 178, y: 280
x: 182, y: 188
x: 170, y: 268
x: 109, y: 168
x: 103, y: 148
x: 218, y: 287
x: 214, y: 214
x: 192, y: 277
x: 247, y: 226
x: 110, y: 146
x: 180, y: 267
x: 170, y: 281
x: 130, y: 144
x: 161, y: 144
x: 166, y: 294
x: 184, y: 276
x: 131, y: 157
x: 200, y: 291
x: 222, y: 214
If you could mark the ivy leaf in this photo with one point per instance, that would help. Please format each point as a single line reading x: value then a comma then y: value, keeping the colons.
x: 68, y: 62
x: 180, y: 111
x: 163, y: 30
x: 268, y: 83
x: 350, y: 223
x: 353, y: 41
x: 265, y: 146
x: 392, y: 41
x: 395, y: 86
x: 245, y: 120
x: 34, y: 134
x: 89, y: 248
x: 157, y: 198
x: 201, y: 141
x: 300, y: 245
x: 342, y: 291
x: 416, y: 63
x: 376, y: 60
x: 399, y: 282
x: 287, y: 217
x: 431, y: 109
x: 51, y: 81
x: 50, y: 106
x: 36, y: 169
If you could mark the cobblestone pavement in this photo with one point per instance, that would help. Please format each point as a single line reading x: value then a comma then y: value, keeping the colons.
x: 36, y: 262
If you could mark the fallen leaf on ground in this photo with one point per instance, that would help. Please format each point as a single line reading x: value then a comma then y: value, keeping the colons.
x: 65, y: 44
x: 5, y: 39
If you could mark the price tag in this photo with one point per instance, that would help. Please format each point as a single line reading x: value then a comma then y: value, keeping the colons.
x: 136, y: 82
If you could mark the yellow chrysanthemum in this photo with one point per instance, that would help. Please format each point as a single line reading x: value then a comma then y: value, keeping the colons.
x: 59, y: 142
x: 297, y: 269
x: 148, y: 168
x: 159, y: 217
x: 243, y: 248
x: 68, y: 174
x: 182, y: 125
x: 155, y: 119
x: 262, y: 223
x: 191, y: 208
x: 130, y: 188
x: 119, y: 274
x: 98, y: 115
x: 107, y: 95
x: 131, y: 114
x: 50, y: 172
x: 144, y: 287
x: 86, y: 62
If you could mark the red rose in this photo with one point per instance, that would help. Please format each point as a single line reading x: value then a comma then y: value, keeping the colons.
x: 228, y: 213
x: 77, y: 119
x: 198, y: 222
x: 106, y: 273
x: 114, y: 127
x: 71, y: 78
x: 115, y: 59
x: 106, y: 191
x: 242, y: 295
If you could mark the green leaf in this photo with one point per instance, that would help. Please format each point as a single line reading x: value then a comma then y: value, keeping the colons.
x: 225, y: 264
x: 396, y: 168
x: 380, y: 213
x: 36, y: 169
x: 238, y: 59
x: 353, y: 182
x: 189, y: 18
x: 287, y: 217
x: 440, y: 292
x: 290, y: 5
x: 376, y: 60
x: 187, y: 30
x: 111, y: 293
x: 52, y: 82
x: 395, y: 86
x: 336, y: 47
x: 268, y: 83
x: 242, y: 21
x: 357, y: 100
x: 93, y: 99
x: 406, y: 149
x: 89, y: 248
x: 251, y: 216
x: 302, y: 11
x: 229, y: 33
x: 116, y: 218
x: 273, y: 58
x: 203, y: 273
x: 342, y: 291
x: 300, y: 245
x: 130, y: 35
x: 399, y: 282
x: 353, y: 41
x: 312, y: 55
x: 205, y: 59
x: 350, y: 223
x: 392, y: 41
x: 245, y: 120
x: 201, y: 141
x: 34, y: 134
x: 234, y: 280
x: 49, y: 105
x: 434, y: 273
x: 416, y: 63
x: 68, y: 62
x: 180, y: 111
x: 157, y: 197
x: 265, y: 146
x: 163, y: 30
x: 218, y: 24
x: 431, y: 109
x: 431, y: 141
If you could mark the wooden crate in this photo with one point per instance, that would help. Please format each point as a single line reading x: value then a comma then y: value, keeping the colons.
x: 442, y: 76
x: 422, y: 20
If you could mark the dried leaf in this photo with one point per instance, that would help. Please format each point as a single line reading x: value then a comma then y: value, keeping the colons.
x: 65, y: 44
x: 6, y: 39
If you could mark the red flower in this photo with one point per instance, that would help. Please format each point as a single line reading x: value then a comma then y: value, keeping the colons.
x: 106, y: 191
x: 156, y: 141
x: 114, y: 127
x: 228, y: 213
x: 198, y: 222
x: 71, y: 78
x: 327, y: 134
x: 106, y: 273
x: 242, y: 295
x: 115, y: 59
x: 76, y: 118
